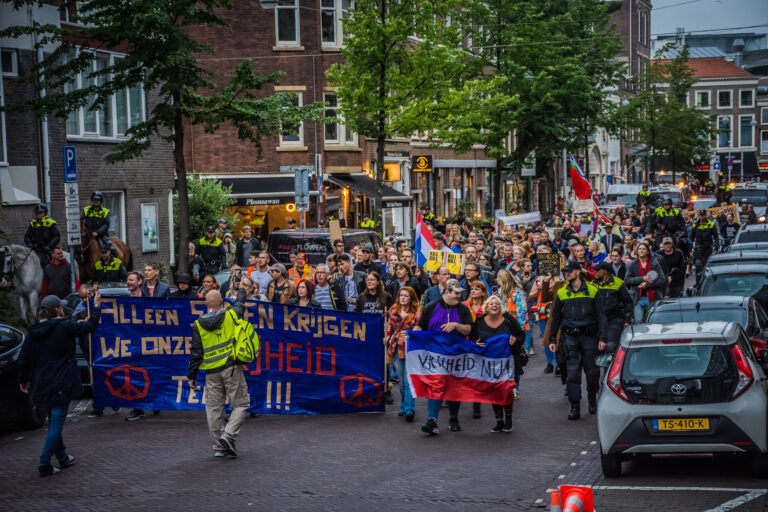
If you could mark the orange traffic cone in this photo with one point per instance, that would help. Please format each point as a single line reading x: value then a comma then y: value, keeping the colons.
x: 554, y: 502
x: 577, y: 499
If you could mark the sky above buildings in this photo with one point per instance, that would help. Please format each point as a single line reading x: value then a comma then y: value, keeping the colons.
x: 709, y: 15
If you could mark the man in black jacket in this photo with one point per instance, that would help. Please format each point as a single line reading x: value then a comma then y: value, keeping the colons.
x: 673, y: 263
x: 245, y: 246
x: 184, y: 283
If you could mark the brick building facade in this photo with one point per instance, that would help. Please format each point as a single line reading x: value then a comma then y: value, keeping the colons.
x: 146, y: 180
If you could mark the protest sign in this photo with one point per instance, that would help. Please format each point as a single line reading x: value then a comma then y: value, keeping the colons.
x: 311, y: 361
x: 548, y: 264
x: 434, y: 261
x: 455, y: 263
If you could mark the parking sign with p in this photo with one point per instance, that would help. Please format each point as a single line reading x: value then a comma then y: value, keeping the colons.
x: 70, y: 164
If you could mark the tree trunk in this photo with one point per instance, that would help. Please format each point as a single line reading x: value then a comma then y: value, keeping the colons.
x: 181, y: 186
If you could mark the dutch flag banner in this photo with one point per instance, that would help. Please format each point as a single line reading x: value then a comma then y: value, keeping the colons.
x: 445, y: 366
x: 423, y: 242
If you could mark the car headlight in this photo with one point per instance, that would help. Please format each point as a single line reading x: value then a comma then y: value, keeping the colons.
x: 761, y: 218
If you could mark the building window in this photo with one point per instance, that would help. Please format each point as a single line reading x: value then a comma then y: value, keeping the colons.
x: 764, y: 115
x: 724, y: 99
x: 10, y: 62
x: 747, y: 98
x: 336, y: 133
x: 329, y: 22
x: 114, y: 201
x: 724, y: 132
x: 293, y: 134
x: 764, y: 142
x: 702, y: 99
x: 745, y: 131
x: 123, y: 110
x: 287, y: 22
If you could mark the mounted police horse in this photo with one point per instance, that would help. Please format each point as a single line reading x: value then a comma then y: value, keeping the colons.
x: 90, y: 252
x: 20, y: 266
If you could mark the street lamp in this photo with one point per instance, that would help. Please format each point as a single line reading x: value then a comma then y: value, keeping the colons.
x: 268, y: 4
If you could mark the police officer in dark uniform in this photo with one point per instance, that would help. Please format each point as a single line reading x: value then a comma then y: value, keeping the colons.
x: 616, y: 303
x: 709, y: 187
x: 211, y: 251
x: 705, y: 238
x: 96, y: 220
x: 367, y: 223
x: 42, y: 235
x: 577, y: 310
x: 668, y: 220
x: 723, y: 193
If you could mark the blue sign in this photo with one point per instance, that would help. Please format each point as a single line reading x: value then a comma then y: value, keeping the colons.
x: 716, y: 165
x: 312, y: 361
x: 70, y: 164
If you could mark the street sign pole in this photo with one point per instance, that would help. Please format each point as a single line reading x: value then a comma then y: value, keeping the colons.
x: 301, y: 189
x: 72, y: 203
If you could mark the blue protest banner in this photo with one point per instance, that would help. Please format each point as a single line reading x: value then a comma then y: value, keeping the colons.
x: 311, y: 362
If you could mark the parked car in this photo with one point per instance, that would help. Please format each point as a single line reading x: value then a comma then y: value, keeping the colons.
x: 16, y: 411
x: 746, y: 280
x: 680, y: 389
x: 703, y: 202
x: 752, y: 233
x: 315, y: 243
x: 745, y: 311
x: 752, y: 246
x: 682, y: 197
x: 738, y: 256
x: 755, y: 194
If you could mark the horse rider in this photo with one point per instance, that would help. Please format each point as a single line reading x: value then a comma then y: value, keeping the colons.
x: 709, y: 187
x: 668, y: 220
x: 96, y: 220
x: 211, y: 251
x: 723, y: 193
x: 642, y: 197
x: 705, y: 238
x: 109, y: 269
x: 42, y: 235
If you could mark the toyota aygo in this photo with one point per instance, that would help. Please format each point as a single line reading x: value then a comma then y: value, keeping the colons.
x: 683, y: 388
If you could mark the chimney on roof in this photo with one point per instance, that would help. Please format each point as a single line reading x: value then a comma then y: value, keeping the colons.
x: 680, y: 36
x: 738, y: 47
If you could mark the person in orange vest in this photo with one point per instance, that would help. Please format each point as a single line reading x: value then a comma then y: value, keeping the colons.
x: 541, y: 311
x: 301, y: 270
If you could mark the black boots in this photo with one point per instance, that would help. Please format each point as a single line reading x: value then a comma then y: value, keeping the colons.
x: 592, y: 404
x: 575, y: 413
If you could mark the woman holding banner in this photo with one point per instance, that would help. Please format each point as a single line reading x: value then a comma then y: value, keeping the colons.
x: 401, y: 317
x: 493, y: 323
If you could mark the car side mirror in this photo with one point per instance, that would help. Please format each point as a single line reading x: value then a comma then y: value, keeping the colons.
x: 689, y: 291
x: 604, y: 361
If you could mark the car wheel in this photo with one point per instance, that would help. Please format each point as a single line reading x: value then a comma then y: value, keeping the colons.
x: 759, y: 465
x: 611, y: 465
x: 34, y: 417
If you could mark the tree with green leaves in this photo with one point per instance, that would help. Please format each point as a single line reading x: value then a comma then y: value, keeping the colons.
x: 661, y: 116
x: 163, y: 59
x: 399, y: 56
x: 207, y: 200
x: 543, y: 71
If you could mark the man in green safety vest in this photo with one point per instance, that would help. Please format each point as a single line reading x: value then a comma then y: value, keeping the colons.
x: 212, y: 350
x: 367, y: 223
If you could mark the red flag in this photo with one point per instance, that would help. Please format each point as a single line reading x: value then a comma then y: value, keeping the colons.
x: 579, y: 182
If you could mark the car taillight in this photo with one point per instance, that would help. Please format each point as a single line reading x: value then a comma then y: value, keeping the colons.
x: 742, y: 367
x: 676, y: 340
x: 758, y: 345
x: 614, y: 375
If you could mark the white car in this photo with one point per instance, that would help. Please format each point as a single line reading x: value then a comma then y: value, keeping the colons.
x: 683, y: 388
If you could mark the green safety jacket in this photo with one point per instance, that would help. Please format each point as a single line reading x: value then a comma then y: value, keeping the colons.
x: 219, y: 344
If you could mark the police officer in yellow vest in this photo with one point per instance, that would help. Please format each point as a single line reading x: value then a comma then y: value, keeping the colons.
x: 212, y: 350
x: 367, y: 222
x: 616, y: 303
x: 576, y: 310
x: 642, y: 197
x: 211, y: 251
x: 96, y: 220
x: 42, y: 235
x: 110, y: 269
x: 427, y: 215
x: 667, y: 219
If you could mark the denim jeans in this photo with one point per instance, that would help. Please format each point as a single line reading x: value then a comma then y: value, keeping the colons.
x: 54, y: 445
x: 542, y: 326
x: 407, y: 405
x: 528, y: 339
x: 641, y: 308
x: 433, y: 408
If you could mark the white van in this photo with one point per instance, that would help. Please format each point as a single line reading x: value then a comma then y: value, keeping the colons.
x: 624, y: 194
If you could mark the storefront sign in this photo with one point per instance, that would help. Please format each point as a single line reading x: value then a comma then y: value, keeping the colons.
x: 400, y: 203
x: 263, y: 201
x: 421, y: 163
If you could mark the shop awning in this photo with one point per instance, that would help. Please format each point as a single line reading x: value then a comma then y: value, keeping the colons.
x: 362, y: 184
x: 259, y: 190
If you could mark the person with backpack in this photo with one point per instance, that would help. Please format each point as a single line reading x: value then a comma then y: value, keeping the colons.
x: 216, y: 340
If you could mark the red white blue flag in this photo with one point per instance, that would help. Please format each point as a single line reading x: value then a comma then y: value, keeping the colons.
x: 423, y: 242
x: 581, y: 186
x: 445, y: 366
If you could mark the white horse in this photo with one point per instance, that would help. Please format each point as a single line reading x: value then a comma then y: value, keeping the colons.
x: 22, y: 266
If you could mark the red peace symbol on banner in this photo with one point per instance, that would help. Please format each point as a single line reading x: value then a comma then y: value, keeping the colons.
x: 358, y: 398
x: 126, y: 389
